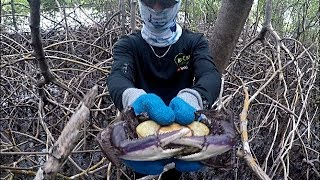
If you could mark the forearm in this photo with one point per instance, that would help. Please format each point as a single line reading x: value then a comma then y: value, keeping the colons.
x: 208, y: 86
x: 207, y: 77
x: 116, y: 86
x: 122, y: 74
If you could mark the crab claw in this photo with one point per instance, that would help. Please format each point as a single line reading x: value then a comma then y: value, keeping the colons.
x: 220, y: 140
x: 209, y: 146
x: 152, y: 147
x: 118, y: 142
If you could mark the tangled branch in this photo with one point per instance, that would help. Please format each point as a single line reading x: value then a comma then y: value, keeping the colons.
x: 279, y: 74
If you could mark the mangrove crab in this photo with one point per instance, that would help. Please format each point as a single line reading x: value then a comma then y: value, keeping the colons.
x: 137, y: 138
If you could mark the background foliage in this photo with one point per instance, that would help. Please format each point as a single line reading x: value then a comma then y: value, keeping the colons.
x: 291, y: 18
x: 78, y: 37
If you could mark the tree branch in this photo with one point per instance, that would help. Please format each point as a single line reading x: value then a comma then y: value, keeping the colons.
x: 62, y: 148
x: 39, y: 54
x: 230, y: 21
x: 244, y: 138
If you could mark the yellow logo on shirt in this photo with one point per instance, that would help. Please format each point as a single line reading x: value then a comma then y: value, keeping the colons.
x: 182, y: 61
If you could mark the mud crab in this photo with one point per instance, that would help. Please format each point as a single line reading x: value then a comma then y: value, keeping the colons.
x: 137, y: 138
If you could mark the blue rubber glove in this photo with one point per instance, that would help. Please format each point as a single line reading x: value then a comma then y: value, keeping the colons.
x: 187, y: 166
x: 156, y: 109
x: 147, y: 167
x: 156, y: 167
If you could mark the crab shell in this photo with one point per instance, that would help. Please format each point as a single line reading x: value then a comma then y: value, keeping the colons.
x: 149, y: 127
x: 127, y: 139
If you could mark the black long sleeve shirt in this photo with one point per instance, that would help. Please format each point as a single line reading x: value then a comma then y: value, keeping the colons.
x: 187, y: 64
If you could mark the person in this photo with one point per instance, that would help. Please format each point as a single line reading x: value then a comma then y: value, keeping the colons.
x: 165, y: 71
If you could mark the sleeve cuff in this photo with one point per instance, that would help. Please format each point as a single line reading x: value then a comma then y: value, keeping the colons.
x: 192, y: 97
x: 130, y: 95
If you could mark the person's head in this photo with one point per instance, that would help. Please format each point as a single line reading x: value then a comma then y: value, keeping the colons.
x: 159, y: 5
x: 159, y: 16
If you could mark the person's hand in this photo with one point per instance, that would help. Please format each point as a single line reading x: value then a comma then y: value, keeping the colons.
x: 155, y: 108
x: 184, y: 106
x: 184, y: 112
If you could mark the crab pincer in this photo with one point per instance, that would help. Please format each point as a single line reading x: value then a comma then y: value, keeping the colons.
x: 120, y: 141
x: 220, y: 139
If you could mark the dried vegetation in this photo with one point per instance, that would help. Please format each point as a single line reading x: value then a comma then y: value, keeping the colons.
x: 283, y: 115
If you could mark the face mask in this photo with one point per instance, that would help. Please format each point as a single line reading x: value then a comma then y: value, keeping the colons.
x: 158, y: 20
x: 160, y: 27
